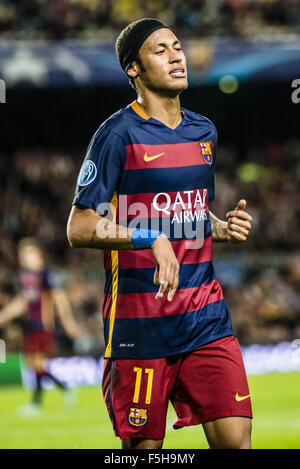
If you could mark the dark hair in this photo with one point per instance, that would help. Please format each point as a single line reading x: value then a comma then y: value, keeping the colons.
x: 120, y: 39
x: 123, y: 35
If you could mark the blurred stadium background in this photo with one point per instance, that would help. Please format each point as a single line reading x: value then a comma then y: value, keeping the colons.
x: 62, y: 80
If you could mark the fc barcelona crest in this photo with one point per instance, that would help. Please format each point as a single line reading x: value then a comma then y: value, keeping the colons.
x: 206, y: 152
x: 137, y: 417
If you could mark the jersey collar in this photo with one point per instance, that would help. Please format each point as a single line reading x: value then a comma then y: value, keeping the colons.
x: 136, y: 107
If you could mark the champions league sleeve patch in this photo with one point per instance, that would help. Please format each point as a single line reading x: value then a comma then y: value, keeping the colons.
x: 87, y: 173
x: 137, y: 417
x: 206, y: 152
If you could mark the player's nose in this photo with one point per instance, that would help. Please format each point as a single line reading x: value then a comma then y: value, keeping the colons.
x: 175, y: 56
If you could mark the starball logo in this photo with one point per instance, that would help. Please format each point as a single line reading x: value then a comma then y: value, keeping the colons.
x: 2, y: 92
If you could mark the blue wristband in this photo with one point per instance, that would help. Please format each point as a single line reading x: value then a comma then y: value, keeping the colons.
x: 143, y: 239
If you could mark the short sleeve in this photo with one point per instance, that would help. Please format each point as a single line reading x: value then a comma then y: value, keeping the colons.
x: 211, y: 182
x: 100, y: 172
x: 51, y: 280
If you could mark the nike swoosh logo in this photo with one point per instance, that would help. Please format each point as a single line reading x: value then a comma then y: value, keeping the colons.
x: 241, y: 398
x: 150, y: 158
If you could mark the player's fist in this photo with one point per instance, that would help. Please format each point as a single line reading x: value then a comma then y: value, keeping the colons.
x: 239, y: 223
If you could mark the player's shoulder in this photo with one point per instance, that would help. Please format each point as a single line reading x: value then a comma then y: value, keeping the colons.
x: 52, y: 279
x: 118, y: 123
x: 199, y: 119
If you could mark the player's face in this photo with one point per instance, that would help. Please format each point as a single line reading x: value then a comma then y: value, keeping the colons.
x: 31, y: 257
x: 164, y: 63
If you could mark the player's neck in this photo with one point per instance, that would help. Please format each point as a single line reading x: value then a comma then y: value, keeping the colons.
x: 162, y: 108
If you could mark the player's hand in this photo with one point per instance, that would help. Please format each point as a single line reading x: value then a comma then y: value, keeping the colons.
x: 239, y: 223
x: 167, y: 267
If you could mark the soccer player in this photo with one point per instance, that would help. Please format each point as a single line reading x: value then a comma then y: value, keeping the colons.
x: 146, y: 182
x: 40, y: 296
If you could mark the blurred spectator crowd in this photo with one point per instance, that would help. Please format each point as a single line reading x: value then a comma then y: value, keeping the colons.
x: 91, y: 19
x: 261, y: 278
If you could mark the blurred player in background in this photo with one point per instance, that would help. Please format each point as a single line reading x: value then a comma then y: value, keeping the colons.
x: 40, y: 297
x: 182, y: 347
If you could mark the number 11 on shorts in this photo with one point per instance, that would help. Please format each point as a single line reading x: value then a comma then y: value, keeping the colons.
x: 138, y: 380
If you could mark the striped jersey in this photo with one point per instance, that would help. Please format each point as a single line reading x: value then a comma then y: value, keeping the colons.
x: 143, y: 174
x: 36, y: 287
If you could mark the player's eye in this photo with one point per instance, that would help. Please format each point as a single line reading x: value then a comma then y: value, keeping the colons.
x: 160, y: 51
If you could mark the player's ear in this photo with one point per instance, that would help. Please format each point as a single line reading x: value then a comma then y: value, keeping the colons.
x: 133, y: 70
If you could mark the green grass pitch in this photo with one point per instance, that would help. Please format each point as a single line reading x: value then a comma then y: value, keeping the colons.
x: 276, y: 424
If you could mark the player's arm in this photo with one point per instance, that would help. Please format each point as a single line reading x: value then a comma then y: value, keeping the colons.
x: 88, y: 229
x: 15, y: 308
x: 237, y: 227
x: 65, y: 314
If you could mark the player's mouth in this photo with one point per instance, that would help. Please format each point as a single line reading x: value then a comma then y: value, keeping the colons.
x: 177, y: 73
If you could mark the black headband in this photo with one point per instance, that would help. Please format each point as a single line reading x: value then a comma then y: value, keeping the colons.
x: 133, y: 40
